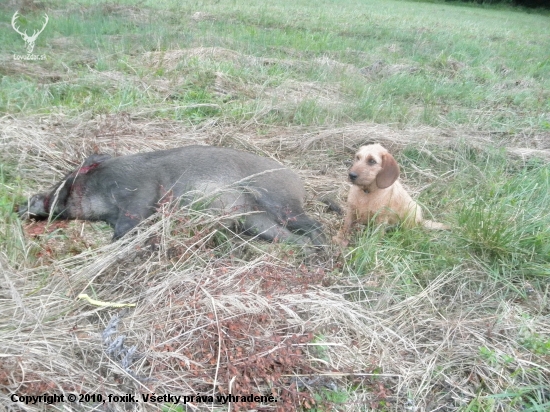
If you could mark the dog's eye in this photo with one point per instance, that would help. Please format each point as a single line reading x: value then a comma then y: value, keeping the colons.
x: 371, y: 162
x: 357, y: 158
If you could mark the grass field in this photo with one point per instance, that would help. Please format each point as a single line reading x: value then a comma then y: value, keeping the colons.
x: 406, y: 320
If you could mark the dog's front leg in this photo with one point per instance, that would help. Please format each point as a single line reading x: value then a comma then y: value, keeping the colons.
x: 342, y: 237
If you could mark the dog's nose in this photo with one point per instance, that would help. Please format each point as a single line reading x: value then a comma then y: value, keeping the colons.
x: 352, y: 176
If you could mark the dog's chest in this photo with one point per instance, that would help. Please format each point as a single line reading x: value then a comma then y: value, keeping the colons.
x: 367, y: 205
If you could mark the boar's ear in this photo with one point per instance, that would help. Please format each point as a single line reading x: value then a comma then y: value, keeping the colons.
x: 389, y: 172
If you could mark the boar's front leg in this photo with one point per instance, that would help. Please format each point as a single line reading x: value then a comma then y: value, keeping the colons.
x: 129, y: 218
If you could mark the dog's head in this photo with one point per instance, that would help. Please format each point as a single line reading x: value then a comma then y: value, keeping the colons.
x: 373, y: 164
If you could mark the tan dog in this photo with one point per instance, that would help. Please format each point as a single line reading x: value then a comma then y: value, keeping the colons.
x: 376, y: 192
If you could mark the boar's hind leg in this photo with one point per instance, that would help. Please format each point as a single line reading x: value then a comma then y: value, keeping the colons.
x: 261, y: 225
x: 303, y: 224
x: 129, y: 219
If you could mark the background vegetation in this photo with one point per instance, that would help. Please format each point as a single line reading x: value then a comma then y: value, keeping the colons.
x: 526, y: 3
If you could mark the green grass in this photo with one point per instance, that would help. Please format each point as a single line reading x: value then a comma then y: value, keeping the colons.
x: 499, y: 215
x: 404, y: 65
x: 10, y: 226
x: 500, y: 237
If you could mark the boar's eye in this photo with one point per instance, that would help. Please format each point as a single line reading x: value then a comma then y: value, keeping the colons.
x: 371, y: 162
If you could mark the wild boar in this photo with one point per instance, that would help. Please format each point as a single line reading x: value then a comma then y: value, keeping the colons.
x: 123, y: 191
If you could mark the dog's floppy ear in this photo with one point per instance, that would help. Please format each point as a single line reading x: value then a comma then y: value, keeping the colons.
x: 389, y: 172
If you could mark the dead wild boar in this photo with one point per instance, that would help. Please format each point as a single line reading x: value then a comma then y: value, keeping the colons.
x: 123, y: 191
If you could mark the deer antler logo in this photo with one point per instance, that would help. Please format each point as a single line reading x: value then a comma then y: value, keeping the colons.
x: 30, y: 40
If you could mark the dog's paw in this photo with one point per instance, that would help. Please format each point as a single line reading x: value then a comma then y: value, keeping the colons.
x: 339, y: 240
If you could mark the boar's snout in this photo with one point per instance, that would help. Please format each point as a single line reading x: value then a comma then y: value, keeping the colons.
x: 20, y: 209
x: 33, y: 207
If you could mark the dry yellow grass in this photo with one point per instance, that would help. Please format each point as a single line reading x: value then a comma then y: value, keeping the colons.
x: 209, y: 309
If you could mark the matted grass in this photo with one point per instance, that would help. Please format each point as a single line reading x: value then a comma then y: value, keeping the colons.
x: 409, y: 318
x: 402, y: 320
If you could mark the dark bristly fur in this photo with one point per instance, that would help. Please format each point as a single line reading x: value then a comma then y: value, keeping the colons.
x: 125, y: 190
